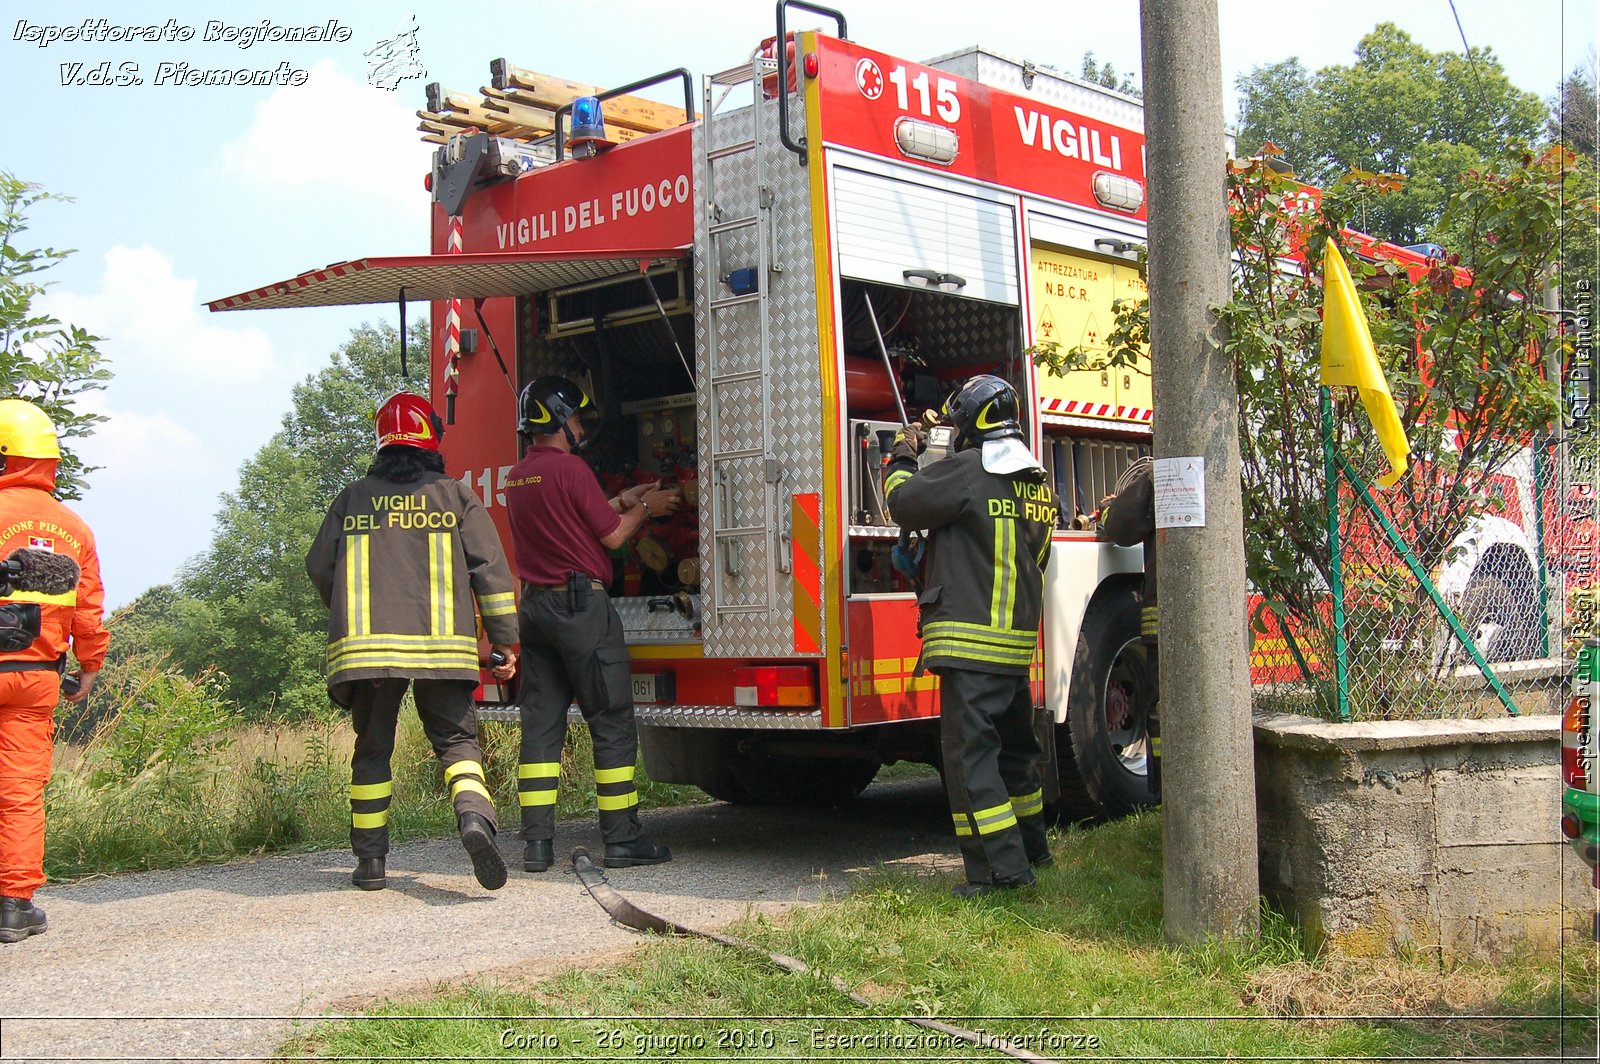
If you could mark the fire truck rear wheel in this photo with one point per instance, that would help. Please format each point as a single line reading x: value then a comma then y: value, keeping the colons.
x: 1102, y: 748
x: 1501, y: 611
x: 799, y: 781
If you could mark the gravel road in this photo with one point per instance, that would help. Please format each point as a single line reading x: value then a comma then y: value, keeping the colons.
x: 222, y: 961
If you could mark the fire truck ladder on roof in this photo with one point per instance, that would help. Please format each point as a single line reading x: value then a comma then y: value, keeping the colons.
x: 749, y: 545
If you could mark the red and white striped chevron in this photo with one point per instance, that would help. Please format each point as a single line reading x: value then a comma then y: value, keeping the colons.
x: 1106, y: 410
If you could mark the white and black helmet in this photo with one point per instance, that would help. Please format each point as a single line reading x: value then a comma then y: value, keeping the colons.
x: 984, y: 408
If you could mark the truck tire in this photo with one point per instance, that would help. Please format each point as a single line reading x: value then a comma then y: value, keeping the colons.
x: 797, y: 781
x: 1501, y: 612
x: 1101, y: 748
x: 699, y: 757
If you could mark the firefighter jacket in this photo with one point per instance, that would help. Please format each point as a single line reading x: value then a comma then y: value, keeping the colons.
x: 988, y: 545
x: 399, y: 566
x: 31, y: 517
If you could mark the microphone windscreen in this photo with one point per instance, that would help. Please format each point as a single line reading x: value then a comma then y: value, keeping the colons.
x: 43, y: 571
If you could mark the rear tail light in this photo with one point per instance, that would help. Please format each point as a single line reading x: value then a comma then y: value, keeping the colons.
x: 1575, y: 767
x: 1571, y: 826
x: 775, y: 685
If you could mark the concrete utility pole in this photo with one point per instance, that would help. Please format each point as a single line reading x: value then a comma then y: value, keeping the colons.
x: 1208, y: 769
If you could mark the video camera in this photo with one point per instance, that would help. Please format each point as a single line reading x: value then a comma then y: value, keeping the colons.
x: 30, y: 569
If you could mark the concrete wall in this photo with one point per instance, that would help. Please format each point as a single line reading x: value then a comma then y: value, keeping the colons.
x: 1433, y: 836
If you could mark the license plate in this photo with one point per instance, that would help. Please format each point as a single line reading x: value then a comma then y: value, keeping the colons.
x: 660, y: 688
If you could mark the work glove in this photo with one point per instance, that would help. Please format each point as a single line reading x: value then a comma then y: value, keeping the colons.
x: 909, y: 442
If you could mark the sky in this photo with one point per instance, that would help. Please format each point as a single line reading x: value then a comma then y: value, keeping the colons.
x: 182, y: 194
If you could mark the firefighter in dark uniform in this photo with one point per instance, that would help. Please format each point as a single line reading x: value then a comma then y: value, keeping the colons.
x: 400, y: 561
x: 989, y: 514
x: 562, y: 527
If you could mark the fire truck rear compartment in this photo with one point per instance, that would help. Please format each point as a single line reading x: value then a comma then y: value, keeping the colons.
x: 629, y: 342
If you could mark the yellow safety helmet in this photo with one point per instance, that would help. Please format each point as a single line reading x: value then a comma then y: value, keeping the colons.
x: 26, y: 431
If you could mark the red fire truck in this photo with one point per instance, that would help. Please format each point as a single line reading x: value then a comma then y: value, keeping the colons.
x: 756, y: 297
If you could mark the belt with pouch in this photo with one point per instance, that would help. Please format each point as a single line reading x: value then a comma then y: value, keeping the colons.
x: 55, y: 665
x: 594, y: 585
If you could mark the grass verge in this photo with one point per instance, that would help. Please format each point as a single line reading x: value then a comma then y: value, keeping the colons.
x: 1076, y: 969
x: 172, y: 780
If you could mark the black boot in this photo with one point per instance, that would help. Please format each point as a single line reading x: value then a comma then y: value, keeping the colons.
x: 538, y: 855
x: 369, y: 873
x: 640, y: 851
x: 477, y: 835
x: 20, y: 918
x: 978, y: 890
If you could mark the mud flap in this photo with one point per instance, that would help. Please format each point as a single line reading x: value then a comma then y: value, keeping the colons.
x: 1044, y: 727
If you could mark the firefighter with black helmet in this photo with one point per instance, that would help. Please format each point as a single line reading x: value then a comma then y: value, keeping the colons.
x: 562, y: 528
x: 41, y: 623
x: 989, y: 514
x: 402, y: 560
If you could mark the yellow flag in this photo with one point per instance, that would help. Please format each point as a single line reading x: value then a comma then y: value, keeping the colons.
x: 1348, y: 358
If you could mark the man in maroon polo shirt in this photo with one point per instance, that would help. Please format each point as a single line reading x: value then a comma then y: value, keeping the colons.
x: 562, y: 527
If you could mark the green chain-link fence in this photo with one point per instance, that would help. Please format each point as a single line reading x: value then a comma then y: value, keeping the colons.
x: 1489, y: 627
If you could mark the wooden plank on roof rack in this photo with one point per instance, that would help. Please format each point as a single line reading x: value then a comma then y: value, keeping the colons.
x: 453, y: 124
x: 628, y: 112
x: 522, y: 114
x: 542, y: 120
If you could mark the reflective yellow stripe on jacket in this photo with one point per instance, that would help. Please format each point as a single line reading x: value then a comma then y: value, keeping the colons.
x: 69, y: 598
x: 979, y: 642
x: 357, y: 585
x: 441, y: 583
x: 389, y: 650
x: 498, y: 605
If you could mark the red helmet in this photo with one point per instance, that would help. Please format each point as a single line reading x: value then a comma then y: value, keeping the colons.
x: 408, y: 419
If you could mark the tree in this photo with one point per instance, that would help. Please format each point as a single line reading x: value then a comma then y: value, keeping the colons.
x: 1106, y: 74
x: 1398, y: 109
x: 1572, y: 122
x: 42, y: 359
x: 1575, y: 110
x: 248, y: 607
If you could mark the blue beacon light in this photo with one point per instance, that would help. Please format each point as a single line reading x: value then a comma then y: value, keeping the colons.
x: 588, y: 125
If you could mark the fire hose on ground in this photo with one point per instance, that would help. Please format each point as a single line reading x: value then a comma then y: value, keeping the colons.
x: 626, y: 913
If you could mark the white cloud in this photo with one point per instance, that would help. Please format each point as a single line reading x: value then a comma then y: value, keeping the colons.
x: 128, y: 442
x: 335, y: 134
x: 153, y: 319
x: 191, y: 398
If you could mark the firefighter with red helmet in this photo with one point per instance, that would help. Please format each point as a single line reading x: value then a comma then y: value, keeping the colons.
x: 989, y: 514
x: 562, y: 527
x: 40, y: 625
x: 401, y: 560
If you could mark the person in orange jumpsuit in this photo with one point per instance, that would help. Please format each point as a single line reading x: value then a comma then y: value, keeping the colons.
x: 31, y: 677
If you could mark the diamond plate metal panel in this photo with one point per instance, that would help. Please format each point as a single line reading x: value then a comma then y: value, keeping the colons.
x: 1025, y: 79
x: 646, y: 625
x: 742, y: 425
x: 728, y: 717
x: 742, y: 509
x: 689, y: 717
x: 966, y: 326
x: 734, y: 325
x: 793, y: 419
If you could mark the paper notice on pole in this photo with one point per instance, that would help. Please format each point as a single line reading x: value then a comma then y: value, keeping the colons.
x: 1180, y: 485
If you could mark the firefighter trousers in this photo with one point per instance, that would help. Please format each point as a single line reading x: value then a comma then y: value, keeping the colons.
x: 27, y: 729
x: 451, y: 724
x: 991, y: 772
x: 576, y: 651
